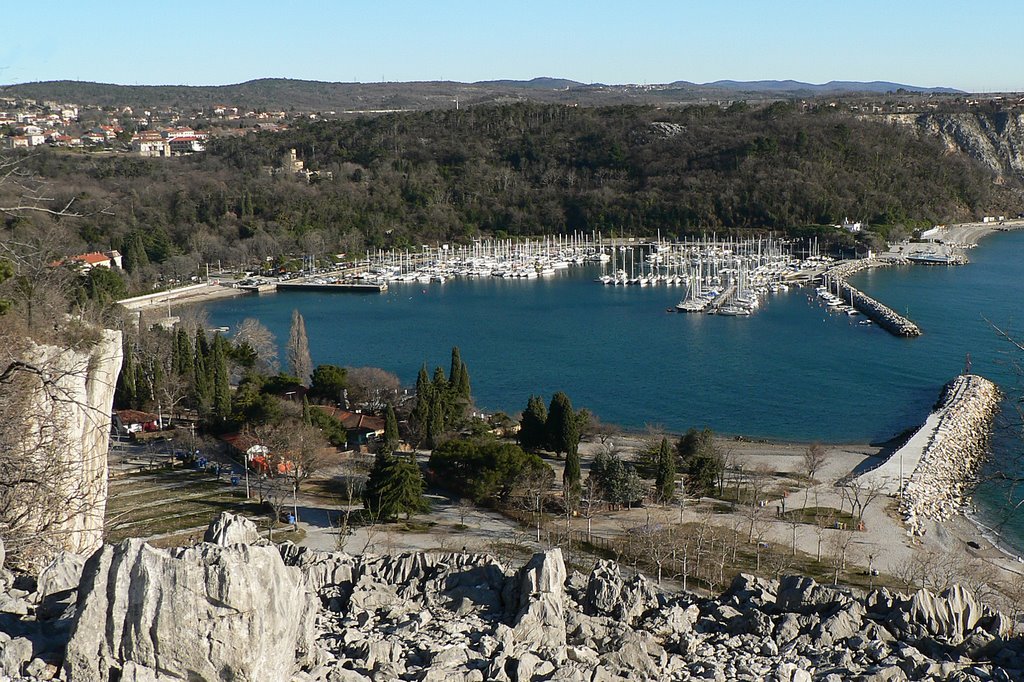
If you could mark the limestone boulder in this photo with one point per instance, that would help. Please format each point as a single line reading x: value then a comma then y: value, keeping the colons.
x: 951, y: 615
x: 540, y: 620
x: 231, y: 529
x: 206, y: 612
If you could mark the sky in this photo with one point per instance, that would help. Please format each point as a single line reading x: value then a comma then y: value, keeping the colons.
x: 958, y: 44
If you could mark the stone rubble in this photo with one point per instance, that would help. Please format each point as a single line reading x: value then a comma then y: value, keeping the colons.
x: 881, y: 314
x: 258, y: 612
x: 938, y: 485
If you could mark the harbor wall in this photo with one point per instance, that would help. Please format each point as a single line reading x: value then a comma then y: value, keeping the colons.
x: 161, y: 296
x: 953, y: 453
x: 882, y: 315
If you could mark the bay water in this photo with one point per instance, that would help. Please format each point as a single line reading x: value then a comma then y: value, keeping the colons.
x: 792, y: 371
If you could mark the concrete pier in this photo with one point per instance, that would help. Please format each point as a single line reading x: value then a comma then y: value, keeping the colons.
x: 882, y: 315
x: 360, y: 287
x: 935, y: 469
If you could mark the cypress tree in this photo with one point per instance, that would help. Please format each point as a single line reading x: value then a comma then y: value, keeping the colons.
x: 202, y: 384
x: 202, y: 345
x: 421, y: 411
x: 391, y: 438
x: 665, y: 478
x: 562, y: 425
x: 571, y: 478
x: 465, y: 392
x: 442, y: 399
x: 307, y: 416
x: 533, y: 425
x: 125, y: 393
x: 455, y: 373
x: 436, y: 425
x: 184, y: 356
x: 221, y: 382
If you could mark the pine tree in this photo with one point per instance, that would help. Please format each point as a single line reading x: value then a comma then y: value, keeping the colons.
x: 391, y: 438
x: 376, y: 494
x: 562, y: 425
x: 533, y: 425
x: 665, y: 478
x: 395, y: 486
x: 299, y: 361
x: 421, y: 410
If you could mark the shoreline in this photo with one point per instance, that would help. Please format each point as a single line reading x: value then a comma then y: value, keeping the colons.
x: 189, y: 296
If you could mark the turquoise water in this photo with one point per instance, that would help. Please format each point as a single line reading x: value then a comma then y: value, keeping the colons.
x: 792, y: 371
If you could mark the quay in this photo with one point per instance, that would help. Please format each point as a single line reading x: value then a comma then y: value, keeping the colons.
x: 882, y: 315
x: 359, y: 287
x: 932, y: 473
x: 259, y: 288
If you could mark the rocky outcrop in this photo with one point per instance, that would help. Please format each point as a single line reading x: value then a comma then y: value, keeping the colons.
x: 206, y: 613
x: 995, y: 139
x: 615, y: 629
x: 231, y: 529
x: 248, y: 612
x: 57, y: 416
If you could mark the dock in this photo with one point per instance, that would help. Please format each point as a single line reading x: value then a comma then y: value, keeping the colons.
x: 722, y: 298
x: 879, y: 313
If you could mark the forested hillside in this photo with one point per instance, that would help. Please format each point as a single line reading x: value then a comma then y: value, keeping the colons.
x: 404, y: 179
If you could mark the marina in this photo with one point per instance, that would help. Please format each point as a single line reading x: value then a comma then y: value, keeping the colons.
x: 798, y: 370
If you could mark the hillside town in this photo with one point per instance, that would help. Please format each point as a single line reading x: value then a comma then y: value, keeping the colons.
x: 27, y: 123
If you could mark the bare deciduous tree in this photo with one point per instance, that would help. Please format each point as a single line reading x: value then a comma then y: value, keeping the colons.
x: 372, y: 387
x: 813, y: 460
x: 255, y: 334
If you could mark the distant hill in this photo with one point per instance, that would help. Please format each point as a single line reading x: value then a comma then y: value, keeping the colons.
x: 290, y: 94
x: 790, y: 86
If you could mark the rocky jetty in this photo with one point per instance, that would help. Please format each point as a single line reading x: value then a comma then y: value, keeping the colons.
x: 884, y: 316
x: 258, y: 612
x: 959, y: 444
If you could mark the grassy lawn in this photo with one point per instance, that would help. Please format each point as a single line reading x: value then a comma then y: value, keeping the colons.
x: 171, y: 503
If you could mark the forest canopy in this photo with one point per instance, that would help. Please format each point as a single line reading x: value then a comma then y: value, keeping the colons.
x: 404, y: 179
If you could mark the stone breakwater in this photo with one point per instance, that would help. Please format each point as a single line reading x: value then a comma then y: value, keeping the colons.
x: 250, y: 611
x: 885, y: 317
x: 955, y: 451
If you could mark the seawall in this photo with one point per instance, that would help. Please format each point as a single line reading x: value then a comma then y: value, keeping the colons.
x: 935, y: 469
x: 954, y: 454
x: 882, y: 315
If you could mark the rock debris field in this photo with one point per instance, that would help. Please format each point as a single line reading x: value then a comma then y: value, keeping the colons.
x: 238, y: 608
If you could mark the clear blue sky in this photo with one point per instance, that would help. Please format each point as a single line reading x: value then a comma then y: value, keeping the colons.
x: 965, y: 45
